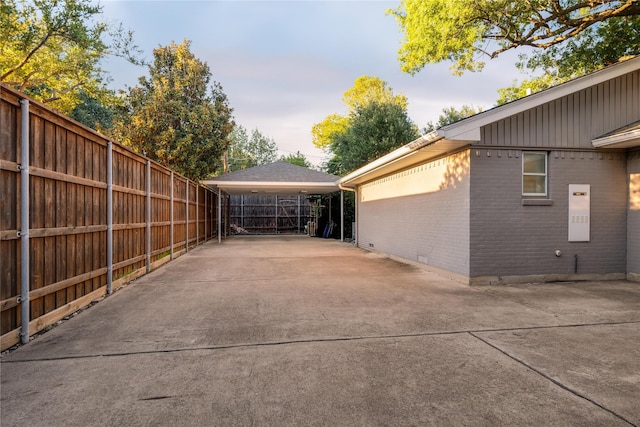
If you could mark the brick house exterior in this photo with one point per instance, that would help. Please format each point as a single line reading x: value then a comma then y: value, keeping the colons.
x: 544, y: 188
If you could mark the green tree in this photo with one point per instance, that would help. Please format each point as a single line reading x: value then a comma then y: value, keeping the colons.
x: 451, y: 115
x: 602, y: 44
x: 246, y: 151
x: 297, y: 159
x: 368, y: 89
x: 463, y: 31
x: 175, y: 117
x: 374, y: 130
x: 322, y: 132
x: 51, y: 49
x: 365, y: 90
x: 91, y: 112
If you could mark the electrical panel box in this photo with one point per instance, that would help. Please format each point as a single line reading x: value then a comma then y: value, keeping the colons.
x: 579, y: 212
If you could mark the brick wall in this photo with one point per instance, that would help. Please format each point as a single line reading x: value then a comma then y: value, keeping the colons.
x: 509, y: 239
x: 431, y: 227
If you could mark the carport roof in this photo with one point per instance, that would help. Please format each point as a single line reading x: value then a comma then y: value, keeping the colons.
x: 275, y: 178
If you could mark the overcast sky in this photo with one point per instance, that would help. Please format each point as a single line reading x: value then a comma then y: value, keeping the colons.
x: 284, y: 65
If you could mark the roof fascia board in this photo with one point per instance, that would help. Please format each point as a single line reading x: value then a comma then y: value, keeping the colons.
x: 462, y: 129
x: 270, y: 184
x: 616, y: 139
x: 393, y: 156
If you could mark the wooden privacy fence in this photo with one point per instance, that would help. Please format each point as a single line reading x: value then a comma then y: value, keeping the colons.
x: 81, y: 215
x: 270, y: 214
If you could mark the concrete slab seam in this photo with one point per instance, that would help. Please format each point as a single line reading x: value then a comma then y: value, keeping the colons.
x: 554, y: 381
x: 316, y: 340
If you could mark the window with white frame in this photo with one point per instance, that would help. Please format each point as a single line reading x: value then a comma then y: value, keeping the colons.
x: 534, y: 173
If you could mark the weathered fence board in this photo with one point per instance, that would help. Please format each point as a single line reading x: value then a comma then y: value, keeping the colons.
x: 270, y: 214
x: 68, y: 226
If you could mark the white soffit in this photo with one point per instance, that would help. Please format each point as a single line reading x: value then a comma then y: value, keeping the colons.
x: 625, y: 138
x: 281, y: 188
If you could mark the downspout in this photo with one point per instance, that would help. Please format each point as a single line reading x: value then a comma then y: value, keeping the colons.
x: 24, y: 222
x: 397, y: 154
x: 354, y: 190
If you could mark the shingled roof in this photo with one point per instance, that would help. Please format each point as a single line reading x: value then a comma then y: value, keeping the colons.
x: 276, y: 178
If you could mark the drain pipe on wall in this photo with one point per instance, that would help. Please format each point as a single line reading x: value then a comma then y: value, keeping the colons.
x: 353, y: 190
x: 24, y: 222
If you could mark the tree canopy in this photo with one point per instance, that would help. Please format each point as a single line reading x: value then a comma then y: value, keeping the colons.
x: 51, y: 49
x: 598, y: 46
x: 462, y: 31
x: 175, y: 117
x: 365, y: 90
x: 297, y: 159
x: 451, y: 115
x: 246, y: 151
x: 374, y: 130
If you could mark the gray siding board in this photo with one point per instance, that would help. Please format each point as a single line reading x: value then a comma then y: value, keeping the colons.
x: 572, y: 121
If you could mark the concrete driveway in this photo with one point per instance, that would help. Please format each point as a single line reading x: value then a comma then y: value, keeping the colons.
x: 300, y: 331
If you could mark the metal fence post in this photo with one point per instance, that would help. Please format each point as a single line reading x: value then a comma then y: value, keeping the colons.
x: 148, y: 227
x: 24, y: 222
x: 211, y: 209
x: 171, y: 218
x: 186, y: 226
x: 109, y: 218
x: 197, y: 214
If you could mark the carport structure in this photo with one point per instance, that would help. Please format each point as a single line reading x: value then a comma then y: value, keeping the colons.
x: 278, y: 178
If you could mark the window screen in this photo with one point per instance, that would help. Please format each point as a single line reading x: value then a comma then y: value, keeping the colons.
x: 534, y: 174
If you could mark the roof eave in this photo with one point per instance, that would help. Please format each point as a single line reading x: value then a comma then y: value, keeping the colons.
x: 622, y: 140
x: 397, y: 154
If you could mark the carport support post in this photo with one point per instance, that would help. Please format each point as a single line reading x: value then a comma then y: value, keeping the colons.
x: 24, y: 222
x: 219, y: 216
x: 298, y: 214
x: 341, y: 216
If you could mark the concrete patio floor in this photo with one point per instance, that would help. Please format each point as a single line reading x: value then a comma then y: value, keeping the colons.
x: 301, y: 331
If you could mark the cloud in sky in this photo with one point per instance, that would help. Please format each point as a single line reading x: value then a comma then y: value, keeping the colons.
x: 284, y: 65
